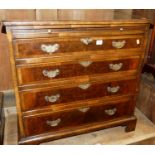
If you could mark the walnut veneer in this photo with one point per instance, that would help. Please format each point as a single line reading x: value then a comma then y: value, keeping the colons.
x: 73, y: 77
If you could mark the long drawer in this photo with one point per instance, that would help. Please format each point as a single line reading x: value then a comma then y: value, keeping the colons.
x: 62, y: 120
x: 59, y: 45
x: 28, y: 74
x: 45, y: 97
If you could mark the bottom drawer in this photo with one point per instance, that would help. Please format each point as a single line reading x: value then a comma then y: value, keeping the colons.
x: 76, y: 117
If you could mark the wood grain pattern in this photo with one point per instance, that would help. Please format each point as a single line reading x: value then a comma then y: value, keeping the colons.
x: 85, y: 14
x: 67, y: 118
x: 52, y: 14
x: 5, y: 68
x: 113, y: 136
x: 35, y: 100
x: 14, y: 77
x: 19, y: 14
x: 36, y: 73
x: 122, y: 121
x: 123, y: 13
x: 74, y: 81
x: 46, y: 14
x: 73, y: 29
x: 28, y: 48
x: 144, y: 13
x: 34, y: 95
x: 82, y: 56
x: 146, y: 99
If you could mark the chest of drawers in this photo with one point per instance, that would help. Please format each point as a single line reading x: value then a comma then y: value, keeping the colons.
x: 73, y: 77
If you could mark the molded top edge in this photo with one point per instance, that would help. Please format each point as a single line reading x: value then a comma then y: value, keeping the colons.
x: 74, y: 22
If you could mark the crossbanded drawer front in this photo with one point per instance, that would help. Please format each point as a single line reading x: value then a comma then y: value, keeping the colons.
x: 31, y: 100
x: 73, y: 118
x: 52, y: 72
x: 59, y: 45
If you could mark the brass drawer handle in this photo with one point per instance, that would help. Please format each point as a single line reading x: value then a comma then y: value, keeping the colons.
x: 52, y: 98
x: 50, y: 48
x: 85, y: 63
x: 51, y: 73
x: 54, y: 122
x: 113, y: 89
x: 116, y: 67
x: 83, y: 109
x: 110, y: 112
x: 118, y: 44
x: 86, y: 41
x: 84, y: 86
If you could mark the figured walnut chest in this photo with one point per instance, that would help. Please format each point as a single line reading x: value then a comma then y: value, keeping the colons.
x: 73, y: 77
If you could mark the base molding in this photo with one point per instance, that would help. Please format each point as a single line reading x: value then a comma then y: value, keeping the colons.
x: 129, y: 122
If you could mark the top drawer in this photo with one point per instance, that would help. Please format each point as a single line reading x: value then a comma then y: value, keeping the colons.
x: 58, y: 45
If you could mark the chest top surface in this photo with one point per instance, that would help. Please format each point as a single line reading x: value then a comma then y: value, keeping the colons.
x: 72, y: 24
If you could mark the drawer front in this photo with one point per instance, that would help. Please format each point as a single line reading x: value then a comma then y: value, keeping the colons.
x: 52, y: 97
x: 58, y: 46
x: 81, y: 68
x: 74, y: 118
